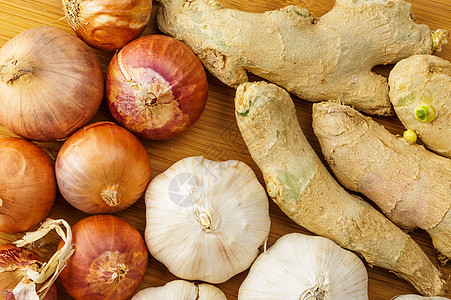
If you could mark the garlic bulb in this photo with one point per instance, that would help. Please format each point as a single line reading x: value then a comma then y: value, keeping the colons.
x: 418, y: 297
x: 206, y: 219
x: 301, y: 267
x: 181, y: 290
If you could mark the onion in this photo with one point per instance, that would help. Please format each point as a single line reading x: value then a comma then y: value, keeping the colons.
x: 102, y: 168
x: 107, y: 24
x: 27, y: 185
x: 109, y: 262
x: 156, y: 87
x: 23, y: 275
x: 14, y: 262
x: 51, y: 84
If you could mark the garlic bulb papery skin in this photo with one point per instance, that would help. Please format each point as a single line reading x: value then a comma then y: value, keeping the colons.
x: 206, y: 219
x: 181, y: 290
x: 302, y: 267
x: 418, y: 297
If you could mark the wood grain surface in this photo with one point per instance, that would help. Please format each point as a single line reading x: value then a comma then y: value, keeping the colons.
x: 215, y: 135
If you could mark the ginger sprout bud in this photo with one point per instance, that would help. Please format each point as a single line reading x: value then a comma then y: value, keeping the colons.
x: 425, y: 113
x: 410, y: 136
x: 271, y: 188
x: 439, y: 38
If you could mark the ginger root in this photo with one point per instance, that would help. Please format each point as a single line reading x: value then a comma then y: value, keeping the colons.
x: 302, y: 187
x: 421, y: 84
x: 410, y: 184
x: 327, y: 58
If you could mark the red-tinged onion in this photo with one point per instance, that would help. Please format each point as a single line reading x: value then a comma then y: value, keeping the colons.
x: 23, y: 275
x: 109, y: 262
x: 51, y: 84
x: 102, y: 168
x: 107, y: 24
x: 27, y: 185
x: 14, y: 263
x: 156, y: 87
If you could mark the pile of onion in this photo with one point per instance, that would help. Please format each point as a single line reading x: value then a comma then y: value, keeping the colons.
x: 156, y: 87
x: 107, y: 24
x: 109, y: 262
x: 51, y: 84
x: 27, y: 185
x: 102, y: 168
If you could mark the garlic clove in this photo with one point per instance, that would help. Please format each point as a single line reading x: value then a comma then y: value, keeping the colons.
x: 301, y: 267
x: 210, y: 292
x: 177, y: 289
x: 181, y: 290
x: 206, y: 219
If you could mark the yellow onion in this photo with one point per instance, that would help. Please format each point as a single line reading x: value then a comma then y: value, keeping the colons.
x: 107, y: 24
x: 102, y: 168
x: 27, y: 185
x: 109, y: 262
x: 51, y: 84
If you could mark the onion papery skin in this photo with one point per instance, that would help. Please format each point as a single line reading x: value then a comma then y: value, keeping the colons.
x: 102, y: 168
x: 27, y: 185
x: 14, y: 261
x: 104, y: 245
x: 107, y: 24
x: 156, y: 87
x: 51, y: 84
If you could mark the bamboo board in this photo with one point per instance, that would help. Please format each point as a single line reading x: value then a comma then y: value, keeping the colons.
x: 215, y: 135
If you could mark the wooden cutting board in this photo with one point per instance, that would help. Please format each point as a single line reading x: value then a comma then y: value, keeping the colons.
x: 215, y: 135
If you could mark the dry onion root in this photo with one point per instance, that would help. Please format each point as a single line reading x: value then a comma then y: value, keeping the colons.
x: 22, y: 273
x: 102, y: 168
x: 51, y: 84
x: 181, y: 289
x: 27, y: 185
x: 107, y: 24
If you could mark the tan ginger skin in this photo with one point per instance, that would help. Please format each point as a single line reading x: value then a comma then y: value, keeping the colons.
x: 316, y: 59
x: 302, y: 187
x: 410, y: 184
x: 424, y: 79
